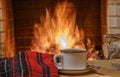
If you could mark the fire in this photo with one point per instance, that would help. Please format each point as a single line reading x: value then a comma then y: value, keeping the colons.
x: 58, y: 30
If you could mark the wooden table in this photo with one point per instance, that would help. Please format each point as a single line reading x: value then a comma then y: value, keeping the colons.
x: 103, y: 68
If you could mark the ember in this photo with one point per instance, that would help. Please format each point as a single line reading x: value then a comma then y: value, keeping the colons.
x: 58, y: 30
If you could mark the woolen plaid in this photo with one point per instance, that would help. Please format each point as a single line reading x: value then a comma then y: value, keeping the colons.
x: 28, y: 64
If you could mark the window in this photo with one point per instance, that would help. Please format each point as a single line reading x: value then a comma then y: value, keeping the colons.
x: 114, y: 16
x: 1, y: 33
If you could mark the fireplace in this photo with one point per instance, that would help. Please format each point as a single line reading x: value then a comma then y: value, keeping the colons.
x: 28, y: 14
x: 58, y: 29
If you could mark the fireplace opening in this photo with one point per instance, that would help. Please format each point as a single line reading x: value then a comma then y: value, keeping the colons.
x: 69, y: 26
x: 51, y: 25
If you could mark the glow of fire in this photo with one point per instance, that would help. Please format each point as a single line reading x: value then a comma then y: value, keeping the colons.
x: 58, y: 30
x: 63, y: 41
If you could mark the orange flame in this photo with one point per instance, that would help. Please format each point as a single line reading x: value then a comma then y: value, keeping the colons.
x: 58, y: 30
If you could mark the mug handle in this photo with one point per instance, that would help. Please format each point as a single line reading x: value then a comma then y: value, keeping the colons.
x: 58, y: 60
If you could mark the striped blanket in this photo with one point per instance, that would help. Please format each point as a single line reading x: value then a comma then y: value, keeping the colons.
x: 28, y: 64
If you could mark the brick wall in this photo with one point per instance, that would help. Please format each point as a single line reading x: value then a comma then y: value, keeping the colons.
x: 27, y: 12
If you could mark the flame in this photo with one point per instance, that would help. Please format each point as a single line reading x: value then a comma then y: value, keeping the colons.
x: 58, y: 30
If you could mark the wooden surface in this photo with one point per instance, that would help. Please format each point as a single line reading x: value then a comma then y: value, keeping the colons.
x: 102, y: 68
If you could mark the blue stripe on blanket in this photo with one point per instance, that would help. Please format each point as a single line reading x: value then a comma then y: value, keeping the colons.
x: 39, y: 62
x: 6, y: 67
x: 45, y: 68
x: 45, y: 65
x: 20, y: 65
x: 17, y: 65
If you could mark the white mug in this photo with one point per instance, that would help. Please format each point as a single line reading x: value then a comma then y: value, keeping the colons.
x: 71, y: 59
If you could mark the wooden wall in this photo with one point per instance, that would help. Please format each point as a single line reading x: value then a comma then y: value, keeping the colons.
x: 8, y: 25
